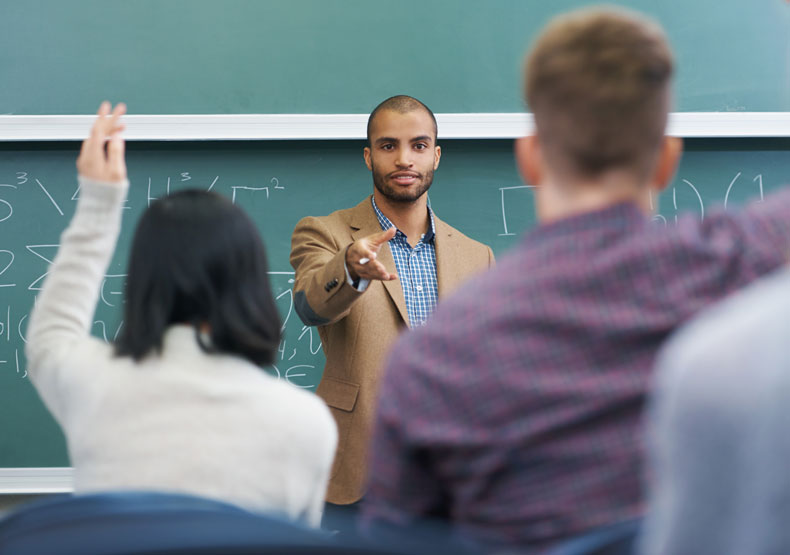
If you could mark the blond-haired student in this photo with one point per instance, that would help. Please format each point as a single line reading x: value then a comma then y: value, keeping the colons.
x: 516, y: 412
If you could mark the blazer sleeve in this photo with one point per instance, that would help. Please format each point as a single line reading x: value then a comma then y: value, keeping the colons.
x: 322, y: 294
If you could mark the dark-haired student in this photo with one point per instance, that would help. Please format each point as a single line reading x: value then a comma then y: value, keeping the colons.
x: 179, y: 403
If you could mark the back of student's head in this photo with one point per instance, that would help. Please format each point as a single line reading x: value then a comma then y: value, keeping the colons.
x: 197, y: 259
x: 598, y: 83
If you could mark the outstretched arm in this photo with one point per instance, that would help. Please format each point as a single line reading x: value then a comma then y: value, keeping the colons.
x: 64, y: 309
x: 322, y: 293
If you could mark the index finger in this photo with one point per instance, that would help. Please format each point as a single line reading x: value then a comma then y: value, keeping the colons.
x: 93, y: 136
x: 115, y: 160
x: 113, y: 124
x: 378, y: 239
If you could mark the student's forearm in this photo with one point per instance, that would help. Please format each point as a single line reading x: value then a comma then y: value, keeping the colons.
x: 64, y: 309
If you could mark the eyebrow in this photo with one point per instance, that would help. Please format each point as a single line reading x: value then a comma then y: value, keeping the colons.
x: 413, y: 140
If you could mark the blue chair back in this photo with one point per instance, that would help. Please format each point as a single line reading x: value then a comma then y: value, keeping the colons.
x: 617, y: 539
x: 127, y: 523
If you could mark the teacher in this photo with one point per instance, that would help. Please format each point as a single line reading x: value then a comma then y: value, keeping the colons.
x: 365, y: 273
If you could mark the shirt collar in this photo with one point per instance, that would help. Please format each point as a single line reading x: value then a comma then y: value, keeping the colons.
x: 623, y: 217
x: 385, y: 222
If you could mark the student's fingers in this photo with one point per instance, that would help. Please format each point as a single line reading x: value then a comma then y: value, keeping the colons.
x: 106, y: 123
x: 93, y: 160
x: 98, y: 132
x: 91, y: 154
x: 113, y: 124
x: 118, y: 111
x: 99, y: 129
x: 83, y: 150
x: 93, y: 139
x: 115, y: 158
x: 119, y: 127
x: 104, y: 109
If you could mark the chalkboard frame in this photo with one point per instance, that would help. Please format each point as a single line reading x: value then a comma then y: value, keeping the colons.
x: 190, y: 127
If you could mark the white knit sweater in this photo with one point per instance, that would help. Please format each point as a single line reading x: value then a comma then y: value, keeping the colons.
x: 183, y: 421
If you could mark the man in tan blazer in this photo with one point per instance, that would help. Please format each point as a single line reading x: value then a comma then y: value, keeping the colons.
x: 365, y: 273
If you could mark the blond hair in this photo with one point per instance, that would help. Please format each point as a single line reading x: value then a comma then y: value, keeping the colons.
x: 598, y: 84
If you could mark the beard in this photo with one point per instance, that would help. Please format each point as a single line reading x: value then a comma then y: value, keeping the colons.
x: 380, y: 181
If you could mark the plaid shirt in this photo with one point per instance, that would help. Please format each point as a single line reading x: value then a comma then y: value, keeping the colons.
x: 516, y: 412
x: 416, y: 269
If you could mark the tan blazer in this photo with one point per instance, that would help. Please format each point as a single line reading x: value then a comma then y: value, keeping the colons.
x: 357, y: 329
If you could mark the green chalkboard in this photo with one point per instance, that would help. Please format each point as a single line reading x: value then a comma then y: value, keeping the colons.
x: 344, y: 56
x: 476, y: 189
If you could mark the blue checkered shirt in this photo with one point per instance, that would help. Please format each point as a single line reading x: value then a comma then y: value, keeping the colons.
x: 416, y: 269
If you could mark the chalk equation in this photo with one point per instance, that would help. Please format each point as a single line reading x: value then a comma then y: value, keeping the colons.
x: 517, y: 202
x: 11, y: 355
x: 23, y: 180
x: 35, y: 208
x: 297, y: 338
x: 43, y: 210
x: 476, y: 189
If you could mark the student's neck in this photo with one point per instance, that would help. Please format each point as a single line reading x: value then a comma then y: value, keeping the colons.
x: 409, y: 217
x: 557, y: 200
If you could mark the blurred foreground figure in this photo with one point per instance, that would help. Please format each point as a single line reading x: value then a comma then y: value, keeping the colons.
x: 719, y: 430
x: 515, y: 413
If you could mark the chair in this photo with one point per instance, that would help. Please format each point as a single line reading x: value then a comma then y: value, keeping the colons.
x: 148, y: 523
x: 617, y: 539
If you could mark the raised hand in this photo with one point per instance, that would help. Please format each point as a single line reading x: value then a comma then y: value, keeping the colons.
x: 100, y: 163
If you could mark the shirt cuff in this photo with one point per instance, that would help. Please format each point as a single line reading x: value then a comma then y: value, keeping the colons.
x: 360, y: 285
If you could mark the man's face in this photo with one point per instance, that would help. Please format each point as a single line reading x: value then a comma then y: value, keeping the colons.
x: 402, y: 154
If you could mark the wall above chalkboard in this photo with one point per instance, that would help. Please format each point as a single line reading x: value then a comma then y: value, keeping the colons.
x: 313, y: 56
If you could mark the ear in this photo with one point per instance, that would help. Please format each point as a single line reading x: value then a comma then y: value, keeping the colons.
x: 668, y: 159
x: 366, y: 154
x: 529, y: 159
x: 437, y: 154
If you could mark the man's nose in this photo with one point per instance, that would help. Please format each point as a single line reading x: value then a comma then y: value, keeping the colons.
x: 404, y: 158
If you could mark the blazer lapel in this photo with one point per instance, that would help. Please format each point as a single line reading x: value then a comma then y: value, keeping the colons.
x: 363, y: 223
x: 449, y: 259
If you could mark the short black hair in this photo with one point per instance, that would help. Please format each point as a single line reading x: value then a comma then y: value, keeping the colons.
x: 198, y: 259
x: 402, y: 104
